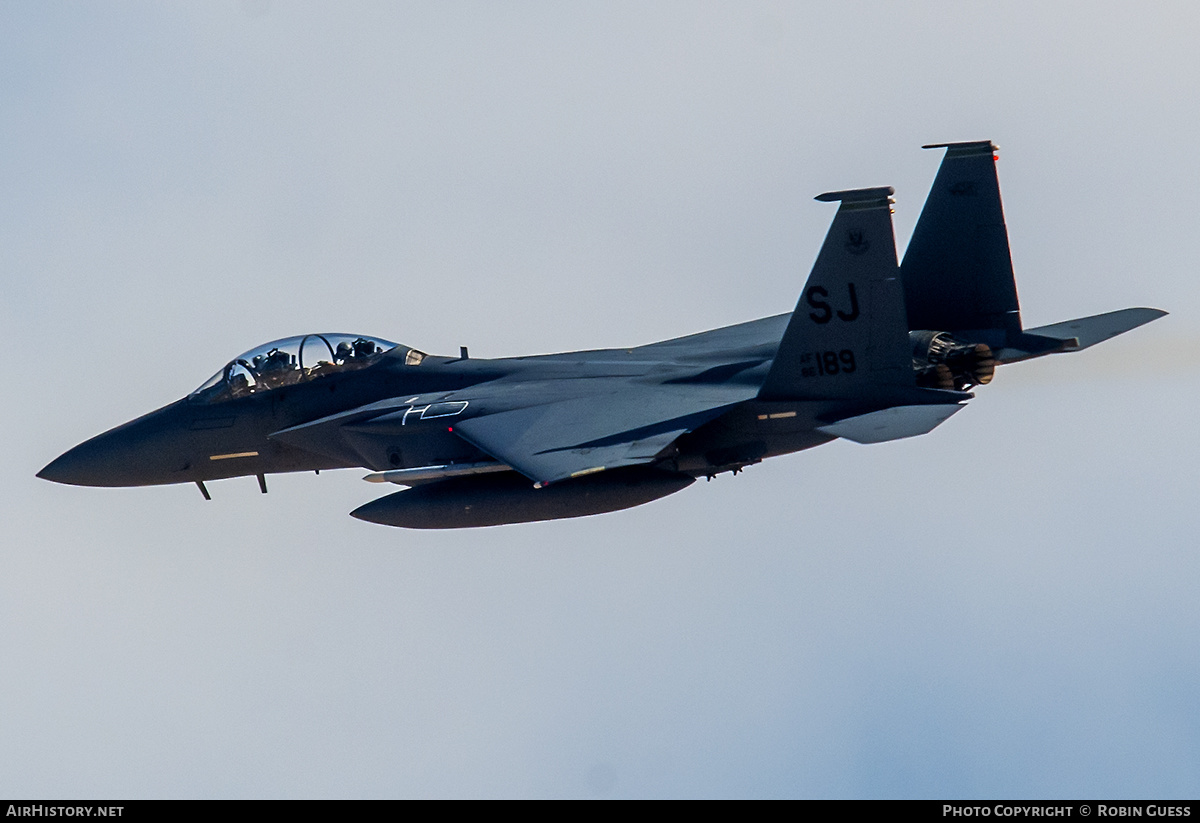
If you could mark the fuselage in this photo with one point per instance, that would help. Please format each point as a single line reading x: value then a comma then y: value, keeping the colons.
x: 226, y: 429
x: 199, y: 437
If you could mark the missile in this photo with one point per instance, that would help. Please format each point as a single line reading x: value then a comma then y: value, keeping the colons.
x: 424, y: 474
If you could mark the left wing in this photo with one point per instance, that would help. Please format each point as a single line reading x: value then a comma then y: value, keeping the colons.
x: 615, y: 423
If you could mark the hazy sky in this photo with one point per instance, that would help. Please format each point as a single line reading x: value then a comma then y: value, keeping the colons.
x: 1006, y: 607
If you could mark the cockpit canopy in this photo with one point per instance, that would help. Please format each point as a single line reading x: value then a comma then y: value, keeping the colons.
x: 295, y: 360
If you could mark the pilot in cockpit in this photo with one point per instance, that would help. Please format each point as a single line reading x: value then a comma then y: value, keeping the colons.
x: 274, y: 368
x: 239, y: 381
x: 356, y: 353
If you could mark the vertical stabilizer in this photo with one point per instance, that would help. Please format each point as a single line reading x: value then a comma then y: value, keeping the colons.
x: 848, y: 331
x: 957, y: 271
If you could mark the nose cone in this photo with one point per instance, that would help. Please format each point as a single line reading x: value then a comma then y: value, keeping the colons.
x: 101, y: 461
x: 135, y: 454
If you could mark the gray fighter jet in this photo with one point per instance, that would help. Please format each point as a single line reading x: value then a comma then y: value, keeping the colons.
x: 874, y: 351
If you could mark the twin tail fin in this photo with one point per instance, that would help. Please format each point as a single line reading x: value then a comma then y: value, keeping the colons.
x: 848, y: 332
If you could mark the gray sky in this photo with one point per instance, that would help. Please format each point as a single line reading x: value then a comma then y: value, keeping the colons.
x: 1006, y: 607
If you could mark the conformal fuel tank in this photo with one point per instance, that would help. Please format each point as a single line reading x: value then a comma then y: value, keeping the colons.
x: 493, y: 500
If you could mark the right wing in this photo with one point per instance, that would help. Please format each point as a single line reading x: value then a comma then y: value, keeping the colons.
x: 548, y: 430
x: 618, y: 423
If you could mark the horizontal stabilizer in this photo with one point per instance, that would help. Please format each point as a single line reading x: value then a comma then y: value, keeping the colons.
x: 895, y: 423
x: 1075, y: 335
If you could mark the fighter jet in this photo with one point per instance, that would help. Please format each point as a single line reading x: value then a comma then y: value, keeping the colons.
x: 875, y: 350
